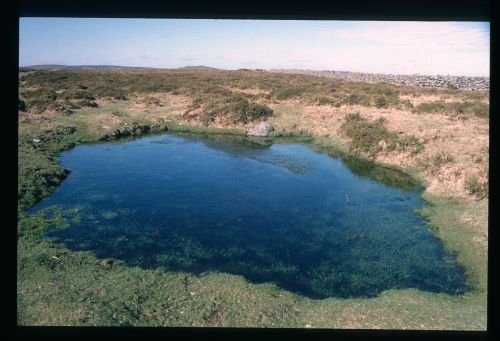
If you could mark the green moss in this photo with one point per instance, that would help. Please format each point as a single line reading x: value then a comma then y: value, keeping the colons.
x: 445, y: 217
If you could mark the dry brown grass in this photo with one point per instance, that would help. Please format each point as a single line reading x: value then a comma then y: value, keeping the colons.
x: 466, y: 141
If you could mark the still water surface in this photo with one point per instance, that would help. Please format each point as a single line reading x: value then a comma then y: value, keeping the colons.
x: 282, y: 213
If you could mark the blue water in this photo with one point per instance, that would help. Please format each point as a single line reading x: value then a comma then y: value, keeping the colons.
x: 280, y: 213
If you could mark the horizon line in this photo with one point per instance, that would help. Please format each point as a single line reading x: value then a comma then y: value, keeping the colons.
x: 237, y: 69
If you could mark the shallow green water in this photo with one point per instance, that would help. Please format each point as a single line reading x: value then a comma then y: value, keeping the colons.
x: 283, y: 213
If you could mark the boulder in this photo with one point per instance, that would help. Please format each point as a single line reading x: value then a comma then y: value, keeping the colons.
x: 125, y: 132
x: 261, y: 129
x: 117, y: 134
x: 105, y: 137
x: 382, y: 145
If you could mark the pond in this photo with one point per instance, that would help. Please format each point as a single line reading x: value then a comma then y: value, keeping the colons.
x: 311, y: 223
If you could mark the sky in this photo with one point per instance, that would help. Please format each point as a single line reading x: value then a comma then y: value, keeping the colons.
x: 428, y: 48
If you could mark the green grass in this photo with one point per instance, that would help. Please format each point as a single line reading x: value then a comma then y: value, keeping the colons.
x: 474, y: 186
x: 465, y: 108
x: 60, y: 287
x: 38, y: 164
x: 56, y: 286
x: 206, y: 85
x: 444, y: 215
x: 234, y: 109
x: 367, y: 137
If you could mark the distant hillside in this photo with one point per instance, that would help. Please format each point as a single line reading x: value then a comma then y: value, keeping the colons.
x: 197, y: 67
x: 50, y: 67
x: 55, y: 67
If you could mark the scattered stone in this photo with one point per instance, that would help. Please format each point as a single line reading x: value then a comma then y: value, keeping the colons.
x: 65, y: 130
x: 139, y: 129
x: 105, y: 137
x: 437, y: 81
x: 109, y: 214
x: 261, y: 129
x: 382, y: 145
x: 87, y: 103
x: 117, y: 134
x: 105, y: 262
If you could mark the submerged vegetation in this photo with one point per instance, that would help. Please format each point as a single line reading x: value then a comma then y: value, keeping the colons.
x: 198, y: 228
x: 62, y: 109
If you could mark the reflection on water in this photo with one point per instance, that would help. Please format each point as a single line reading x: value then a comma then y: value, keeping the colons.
x: 283, y: 213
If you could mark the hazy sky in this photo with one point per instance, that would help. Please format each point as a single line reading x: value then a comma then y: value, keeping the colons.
x: 453, y: 48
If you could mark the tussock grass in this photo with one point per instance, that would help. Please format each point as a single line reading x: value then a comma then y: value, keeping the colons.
x: 58, y: 287
x: 465, y: 108
x: 373, y: 137
x: 477, y: 186
x: 234, y: 109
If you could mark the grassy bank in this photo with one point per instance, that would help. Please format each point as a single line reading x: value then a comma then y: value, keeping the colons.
x: 56, y: 286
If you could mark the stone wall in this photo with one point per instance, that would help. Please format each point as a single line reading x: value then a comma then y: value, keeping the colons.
x: 438, y: 81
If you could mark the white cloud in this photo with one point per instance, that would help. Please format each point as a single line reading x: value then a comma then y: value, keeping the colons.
x: 406, y: 48
x: 414, y: 34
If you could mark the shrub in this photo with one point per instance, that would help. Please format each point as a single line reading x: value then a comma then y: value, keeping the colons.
x: 434, y: 163
x: 477, y: 108
x: 40, y: 100
x: 21, y: 105
x: 406, y: 104
x: 381, y: 102
x: 118, y: 114
x: 110, y: 92
x: 328, y: 101
x: 352, y: 99
x: 258, y: 111
x: 87, y: 103
x: 366, y: 136
x: 411, y: 144
x: 357, y: 98
x: 474, y: 186
x: 150, y: 100
x: 77, y: 94
x: 244, y: 111
x: 430, y: 107
x: 289, y: 92
x: 235, y: 108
